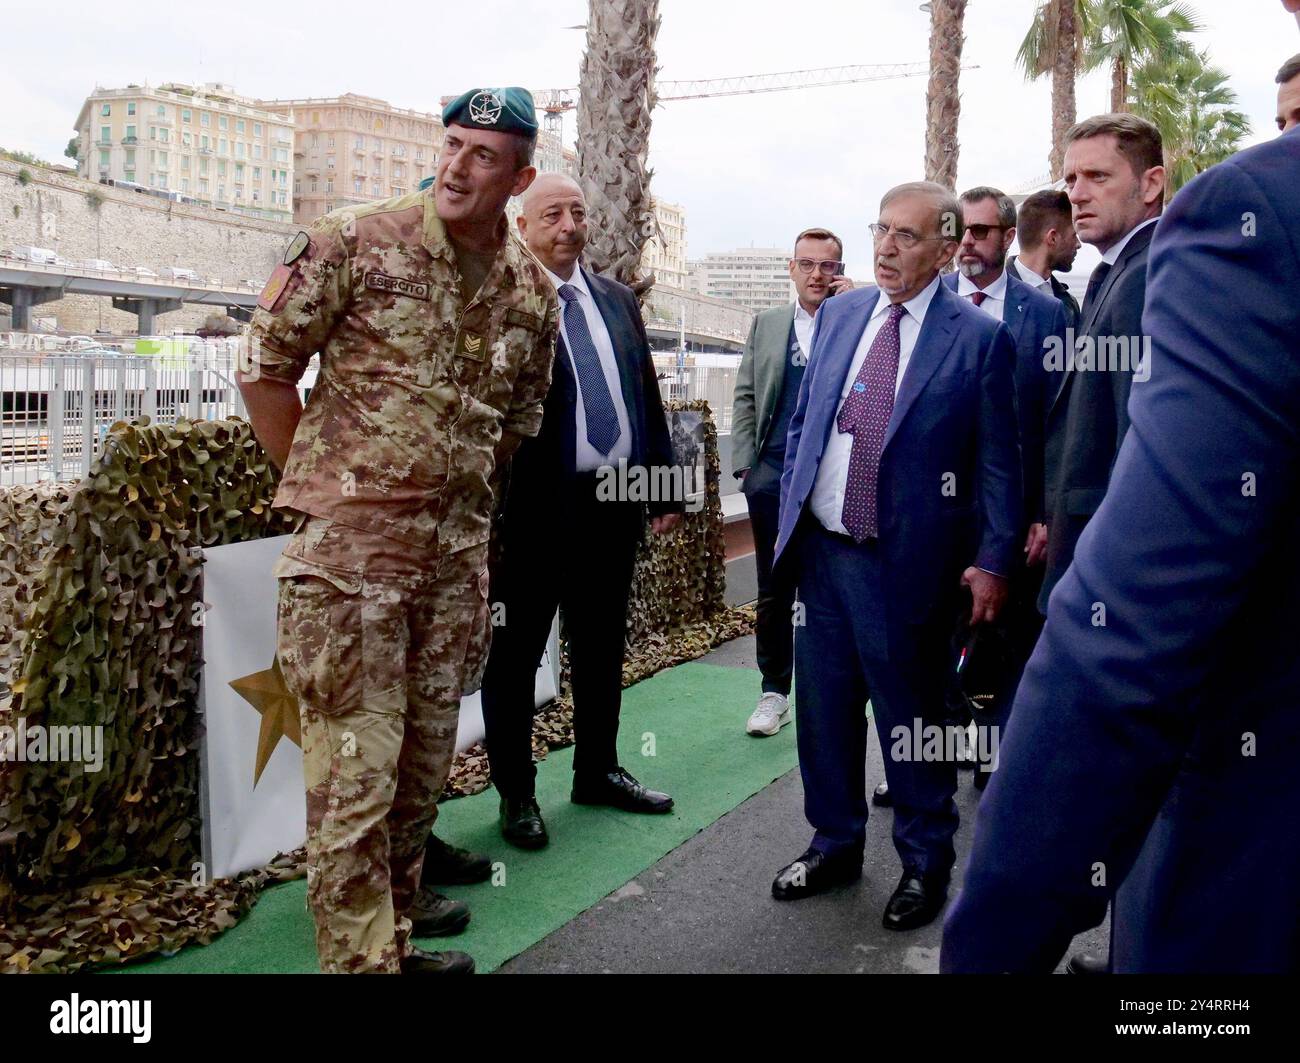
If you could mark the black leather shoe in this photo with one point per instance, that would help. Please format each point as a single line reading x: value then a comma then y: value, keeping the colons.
x: 1088, y: 963
x: 521, y: 823
x: 915, y: 902
x: 418, y: 961
x: 618, y: 789
x: 881, y: 797
x: 445, y: 865
x: 433, y: 916
x: 815, y: 872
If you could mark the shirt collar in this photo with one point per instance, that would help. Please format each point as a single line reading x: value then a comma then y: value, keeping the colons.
x: 996, y: 290
x: 576, y: 281
x: 1112, y: 255
x: 915, y: 306
x: 800, y: 314
x: 438, y: 243
x: 1029, y: 276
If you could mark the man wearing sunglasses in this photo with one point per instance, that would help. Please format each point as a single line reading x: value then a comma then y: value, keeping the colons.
x: 1033, y: 319
x: 767, y: 387
x: 901, y: 483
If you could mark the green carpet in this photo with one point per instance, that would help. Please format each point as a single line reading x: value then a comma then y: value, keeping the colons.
x: 691, y: 717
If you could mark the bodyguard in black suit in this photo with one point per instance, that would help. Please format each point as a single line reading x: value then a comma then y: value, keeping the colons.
x: 1116, y: 180
x: 1048, y: 243
x: 569, y: 531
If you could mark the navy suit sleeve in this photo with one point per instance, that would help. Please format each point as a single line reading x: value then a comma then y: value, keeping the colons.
x: 1000, y: 481
x: 659, y: 448
x: 795, y: 432
x: 1104, y: 713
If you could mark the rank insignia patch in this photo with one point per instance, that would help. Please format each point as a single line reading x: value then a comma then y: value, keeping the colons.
x: 472, y: 345
x: 296, y: 247
x: 274, y: 288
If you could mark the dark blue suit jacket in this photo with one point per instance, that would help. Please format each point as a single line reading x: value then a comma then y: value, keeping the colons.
x: 953, y: 422
x: 1032, y: 317
x: 547, y: 460
x: 1164, y: 744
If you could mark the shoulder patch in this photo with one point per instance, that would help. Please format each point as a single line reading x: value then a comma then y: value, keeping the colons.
x: 274, y: 288
x: 296, y: 247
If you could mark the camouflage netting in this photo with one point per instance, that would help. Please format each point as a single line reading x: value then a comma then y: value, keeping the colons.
x: 95, y: 867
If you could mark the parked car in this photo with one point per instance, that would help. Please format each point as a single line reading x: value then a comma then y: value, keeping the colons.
x: 143, y: 271
x: 180, y: 273
x: 102, y: 265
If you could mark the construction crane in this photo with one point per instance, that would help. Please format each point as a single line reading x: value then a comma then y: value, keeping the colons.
x: 555, y: 102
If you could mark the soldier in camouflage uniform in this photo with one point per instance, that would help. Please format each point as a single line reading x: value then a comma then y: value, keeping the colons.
x: 436, y: 331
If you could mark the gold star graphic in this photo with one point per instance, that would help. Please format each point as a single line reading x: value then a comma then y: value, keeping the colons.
x: 266, y: 692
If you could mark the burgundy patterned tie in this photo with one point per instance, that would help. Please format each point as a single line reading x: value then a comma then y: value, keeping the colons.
x: 866, y: 414
x: 978, y: 297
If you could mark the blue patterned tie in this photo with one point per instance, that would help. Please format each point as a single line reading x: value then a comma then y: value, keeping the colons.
x: 602, y: 418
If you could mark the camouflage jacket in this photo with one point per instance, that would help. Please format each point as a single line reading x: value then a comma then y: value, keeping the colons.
x: 415, y: 387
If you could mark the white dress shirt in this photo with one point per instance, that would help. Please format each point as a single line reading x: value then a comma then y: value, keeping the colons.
x: 995, y: 295
x: 1030, y: 277
x: 827, y: 499
x: 803, y: 329
x: 587, y: 457
x: 1112, y: 254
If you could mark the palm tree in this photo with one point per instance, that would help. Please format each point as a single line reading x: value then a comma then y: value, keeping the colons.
x: 1190, y: 102
x: 1054, y: 45
x: 1122, y: 34
x: 616, y: 96
x: 942, y: 99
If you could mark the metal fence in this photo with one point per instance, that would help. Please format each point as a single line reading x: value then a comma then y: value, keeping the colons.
x: 713, y: 384
x: 55, y: 409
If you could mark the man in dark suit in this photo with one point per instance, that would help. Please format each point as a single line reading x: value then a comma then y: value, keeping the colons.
x: 1115, y: 175
x: 1048, y: 243
x: 901, y: 483
x: 564, y: 540
x: 1035, y: 320
x: 767, y: 388
x: 1188, y: 697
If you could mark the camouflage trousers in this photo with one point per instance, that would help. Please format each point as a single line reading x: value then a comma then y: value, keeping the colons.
x: 376, y: 640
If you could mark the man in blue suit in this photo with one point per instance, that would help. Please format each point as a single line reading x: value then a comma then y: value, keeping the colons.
x: 901, y: 483
x: 564, y: 541
x: 1168, y: 660
x: 1034, y: 320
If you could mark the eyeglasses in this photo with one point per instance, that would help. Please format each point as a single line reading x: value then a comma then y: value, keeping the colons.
x: 981, y: 231
x: 825, y: 266
x: 902, y: 237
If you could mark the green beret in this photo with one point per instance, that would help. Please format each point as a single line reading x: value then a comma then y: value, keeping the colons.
x: 508, y: 110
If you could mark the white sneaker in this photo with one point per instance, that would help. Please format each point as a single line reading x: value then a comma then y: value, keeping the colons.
x: 772, y: 714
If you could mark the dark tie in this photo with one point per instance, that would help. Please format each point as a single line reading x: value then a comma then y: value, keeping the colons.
x: 597, y: 403
x: 1095, y: 282
x: 866, y: 414
x: 978, y: 297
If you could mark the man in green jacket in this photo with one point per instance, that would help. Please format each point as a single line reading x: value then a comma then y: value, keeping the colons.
x: 767, y: 389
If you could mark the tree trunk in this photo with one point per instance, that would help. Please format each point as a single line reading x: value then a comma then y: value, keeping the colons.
x: 1119, y: 86
x: 1064, y: 70
x: 616, y: 97
x: 942, y: 98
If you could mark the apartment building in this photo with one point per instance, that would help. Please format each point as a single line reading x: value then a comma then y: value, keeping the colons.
x: 757, y: 278
x: 666, y: 257
x: 206, y: 144
x: 355, y: 149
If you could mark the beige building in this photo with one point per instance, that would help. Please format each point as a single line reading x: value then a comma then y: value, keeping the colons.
x: 666, y: 258
x: 191, y: 144
x: 355, y: 149
x: 757, y: 278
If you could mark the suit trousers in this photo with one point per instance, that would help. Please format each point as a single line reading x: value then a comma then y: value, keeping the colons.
x: 847, y: 652
x: 774, y: 632
x: 576, y: 553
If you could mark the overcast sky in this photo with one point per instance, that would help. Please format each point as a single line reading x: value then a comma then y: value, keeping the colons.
x: 750, y: 170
